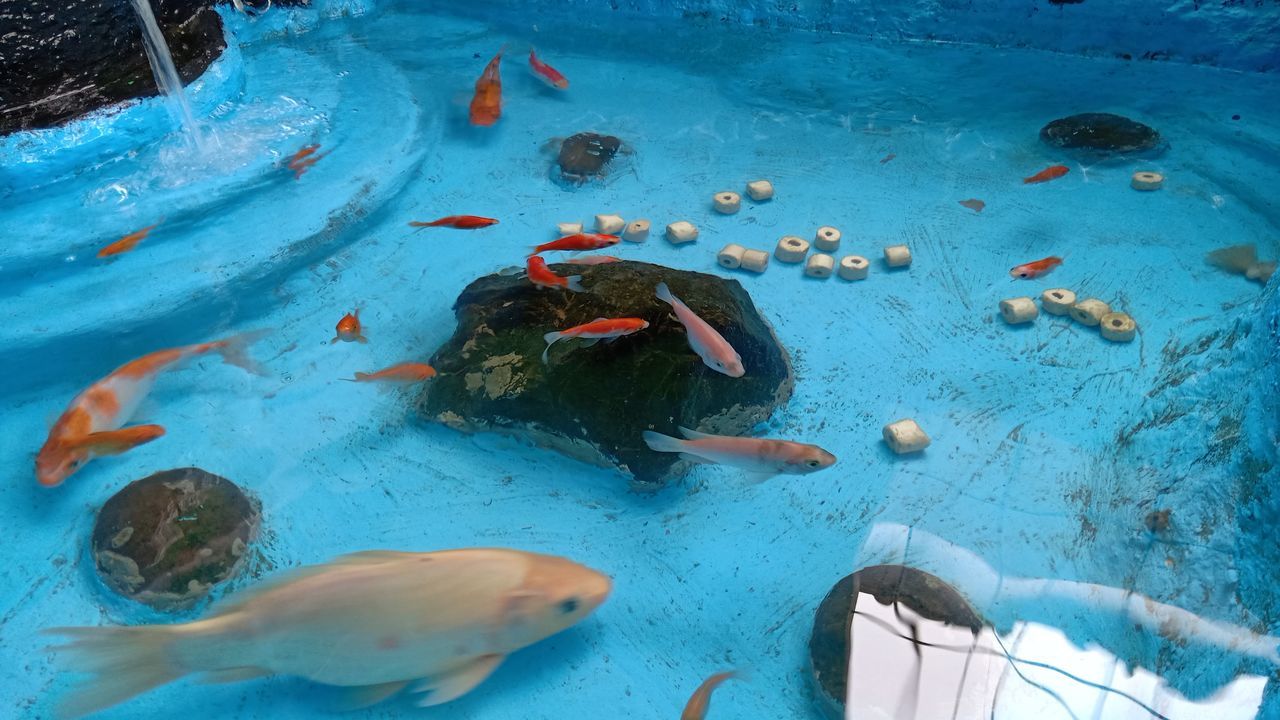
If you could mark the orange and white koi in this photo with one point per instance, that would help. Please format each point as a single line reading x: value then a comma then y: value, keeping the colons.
x: 541, y: 275
x: 593, y: 260
x: 1053, y: 172
x: 457, y: 222
x: 405, y: 372
x: 761, y: 457
x: 607, y: 329
x: 1033, y: 270
x: 127, y: 243
x: 349, y: 329
x: 546, y: 73
x: 486, y: 104
x: 710, y: 345
x: 580, y: 241
x: 92, y: 425
x: 700, y: 701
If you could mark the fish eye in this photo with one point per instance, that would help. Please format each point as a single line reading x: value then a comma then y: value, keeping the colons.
x: 1022, y: 274
x: 568, y: 606
x: 812, y: 463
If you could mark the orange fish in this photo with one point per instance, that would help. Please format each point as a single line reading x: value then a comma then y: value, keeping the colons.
x: 405, y: 372
x: 581, y: 241
x: 126, y: 243
x: 546, y: 73
x: 974, y: 205
x: 594, y: 260
x: 460, y: 222
x: 486, y: 105
x: 541, y: 275
x: 92, y: 425
x: 700, y: 701
x: 349, y: 329
x: 1053, y: 172
x: 303, y: 160
x: 1032, y: 270
x: 607, y: 329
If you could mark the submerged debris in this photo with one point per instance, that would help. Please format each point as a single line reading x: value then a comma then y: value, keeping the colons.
x: 1242, y: 260
x: 586, y: 156
x: 1102, y: 134
x: 1158, y: 520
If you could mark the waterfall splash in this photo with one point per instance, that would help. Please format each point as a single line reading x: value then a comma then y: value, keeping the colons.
x: 166, y: 74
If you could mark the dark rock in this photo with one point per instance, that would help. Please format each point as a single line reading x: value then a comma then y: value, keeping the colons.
x: 167, y: 539
x: 593, y: 403
x: 926, y: 594
x: 1158, y: 520
x: 64, y: 59
x: 1102, y: 134
x: 586, y: 155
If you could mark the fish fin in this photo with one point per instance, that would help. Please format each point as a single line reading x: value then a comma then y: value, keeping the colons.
x: 372, y: 557
x: 335, y: 339
x: 696, y: 459
x: 664, y: 293
x: 124, y: 662
x: 693, y: 434
x: 658, y: 442
x: 1233, y: 259
x: 235, y: 350
x: 588, y: 342
x: 363, y: 696
x: 115, y: 442
x: 550, y: 339
x: 453, y: 685
x: 755, y: 477
x: 575, y: 283
x: 362, y: 339
x: 233, y: 674
x: 235, y: 601
x: 360, y: 377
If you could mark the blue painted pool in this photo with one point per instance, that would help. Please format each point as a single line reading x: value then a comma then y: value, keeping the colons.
x: 1049, y: 444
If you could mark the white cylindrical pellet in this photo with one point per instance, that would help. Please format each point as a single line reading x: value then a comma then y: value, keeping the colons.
x: 854, y: 267
x: 568, y: 228
x: 755, y: 260
x: 1057, y: 301
x: 819, y: 265
x: 726, y: 203
x: 897, y: 256
x: 827, y: 239
x: 905, y: 436
x: 760, y: 190
x: 636, y: 231
x: 1117, y: 327
x: 1018, y: 310
x: 681, y: 232
x: 1089, y: 312
x: 791, y: 249
x: 730, y: 256
x: 1146, y: 181
x: 610, y: 224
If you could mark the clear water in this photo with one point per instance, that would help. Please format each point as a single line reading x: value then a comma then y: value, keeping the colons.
x: 1025, y: 469
x: 166, y: 74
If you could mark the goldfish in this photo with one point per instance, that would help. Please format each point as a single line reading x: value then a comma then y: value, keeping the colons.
x: 93, y: 424
x: 760, y: 457
x: 486, y: 105
x: 594, y: 260
x: 700, y: 701
x: 541, y: 275
x: 580, y: 241
x: 1033, y: 270
x: 302, y: 160
x: 370, y: 622
x: 1053, y: 172
x: 607, y: 329
x: 349, y: 329
x: 974, y: 205
x: 458, y: 222
x: 405, y: 372
x: 126, y: 243
x: 715, y: 351
x: 546, y: 73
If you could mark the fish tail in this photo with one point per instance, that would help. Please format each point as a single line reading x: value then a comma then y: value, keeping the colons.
x: 235, y: 350
x: 550, y: 338
x: 360, y: 377
x: 664, y: 294
x: 658, y: 442
x: 574, y: 283
x: 124, y: 662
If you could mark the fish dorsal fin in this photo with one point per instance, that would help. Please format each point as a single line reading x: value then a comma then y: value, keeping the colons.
x: 238, y: 600
x: 693, y: 434
x: 373, y: 557
x: 599, y: 319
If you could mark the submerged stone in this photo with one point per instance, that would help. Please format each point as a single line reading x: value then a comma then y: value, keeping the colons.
x: 593, y: 403
x: 586, y: 155
x: 1101, y: 133
x: 829, y: 649
x: 167, y: 539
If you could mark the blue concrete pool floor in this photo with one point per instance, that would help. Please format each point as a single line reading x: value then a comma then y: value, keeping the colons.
x: 713, y: 572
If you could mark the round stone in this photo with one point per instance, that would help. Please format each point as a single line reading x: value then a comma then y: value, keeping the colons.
x: 1102, y: 133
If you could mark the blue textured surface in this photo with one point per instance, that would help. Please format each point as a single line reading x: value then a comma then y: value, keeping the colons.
x: 1050, y: 445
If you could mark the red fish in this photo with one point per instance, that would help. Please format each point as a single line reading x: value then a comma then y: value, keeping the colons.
x: 581, y: 241
x: 607, y: 329
x: 126, y: 243
x: 405, y: 372
x: 973, y: 204
x: 459, y: 222
x: 594, y: 260
x: 1032, y: 270
x: 1053, y: 172
x: 349, y: 329
x: 546, y: 73
x: 700, y: 702
x: 303, y: 160
x: 541, y: 275
x: 486, y: 104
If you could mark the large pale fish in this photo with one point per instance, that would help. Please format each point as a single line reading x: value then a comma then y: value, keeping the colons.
x: 762, y: 458
x: 371, y: 621
x: 710, y: 345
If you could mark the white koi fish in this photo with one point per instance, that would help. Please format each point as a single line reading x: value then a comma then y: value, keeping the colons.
x: 761, y: 457
x: 372, y: 622
x: 710, y: 345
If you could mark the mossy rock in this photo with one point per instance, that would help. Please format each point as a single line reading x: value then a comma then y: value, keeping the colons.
x: 167, y: 539
x: 1102, y: 134
x: 586, y: 155
x: 593, y: 403
x: 829, y: 648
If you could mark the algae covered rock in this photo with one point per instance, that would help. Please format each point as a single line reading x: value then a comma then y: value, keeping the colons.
x: 167, y: 539
x: 1102, y: 134
x: 593, y: 403
x: 586, y: 155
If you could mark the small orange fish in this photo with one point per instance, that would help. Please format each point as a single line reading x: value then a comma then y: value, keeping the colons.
x: 581, y: 241
x: 459, y: 222
x: 405, y: 372
x: 541, y: 275
x: 486, y: 104
x: 126, y: 243
x: 700, y: 701
x: 1033, y: 270
x: 593, y: 260
x: 1053, y: 172
x: 887, y: 158
x: 607, y: 329
x: 546, y: 73
x: 973, y: 204
x: 349, y: 329
x: 303, y: 160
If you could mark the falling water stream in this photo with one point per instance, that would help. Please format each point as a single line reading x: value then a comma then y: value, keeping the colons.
x: 166, y: 74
